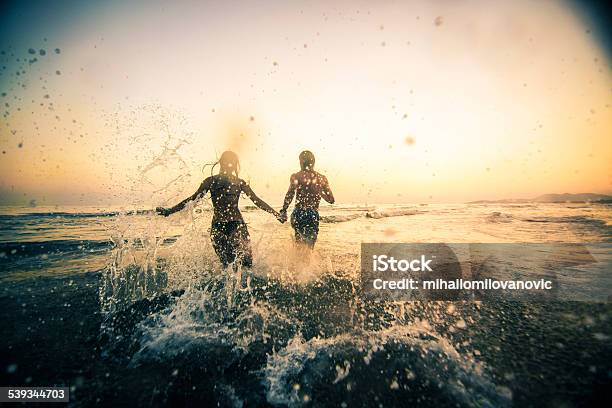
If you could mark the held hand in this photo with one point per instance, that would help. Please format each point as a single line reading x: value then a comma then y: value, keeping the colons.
x: 282, y: 216
x: 162, y: 211
x: 278, y: 216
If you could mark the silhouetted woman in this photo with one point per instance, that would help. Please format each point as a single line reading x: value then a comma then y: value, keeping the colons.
x: 230, y: 237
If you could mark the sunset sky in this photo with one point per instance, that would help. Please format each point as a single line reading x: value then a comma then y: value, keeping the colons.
x: 401, y: 102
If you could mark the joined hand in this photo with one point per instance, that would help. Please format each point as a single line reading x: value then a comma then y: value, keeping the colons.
x: 282, y: 216
x: 162, y: 211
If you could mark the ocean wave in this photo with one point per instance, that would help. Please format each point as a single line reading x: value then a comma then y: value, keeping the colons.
x: 399, y: 212
x: 63, y: 215
x: 578, y: 219
x: 11, y: 250
x: 497, y: 216
x: 58, y: 214
x: 332, y: 219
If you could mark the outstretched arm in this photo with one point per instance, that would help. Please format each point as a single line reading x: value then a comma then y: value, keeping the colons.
x: 290, y: 193
x: 204, y: 187
x: 258, y: 201
x: 326, y: 192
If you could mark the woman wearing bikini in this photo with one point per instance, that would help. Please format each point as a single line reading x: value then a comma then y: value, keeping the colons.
x: 229, y: 233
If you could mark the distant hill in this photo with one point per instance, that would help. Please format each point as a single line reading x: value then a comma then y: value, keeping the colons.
x: 580, y: 198
x: 554, y: 198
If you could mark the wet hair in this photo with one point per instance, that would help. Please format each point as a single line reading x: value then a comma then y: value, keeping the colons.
x: 307, y: 160
x: 228, y: 162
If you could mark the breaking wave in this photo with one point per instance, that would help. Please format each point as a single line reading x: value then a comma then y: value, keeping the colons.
x: 497, y: 216
x: 392, y: 213
x: 332, y: 219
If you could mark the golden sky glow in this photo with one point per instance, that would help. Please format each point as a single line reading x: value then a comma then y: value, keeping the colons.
x: 413, y: 101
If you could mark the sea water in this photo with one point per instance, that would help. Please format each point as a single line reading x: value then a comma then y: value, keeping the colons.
x: 147, y: 315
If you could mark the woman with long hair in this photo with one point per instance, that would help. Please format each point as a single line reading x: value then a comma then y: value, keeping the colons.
x: 229, y: 233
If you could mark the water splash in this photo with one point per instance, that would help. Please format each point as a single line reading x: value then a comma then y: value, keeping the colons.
x: 294, y: 330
